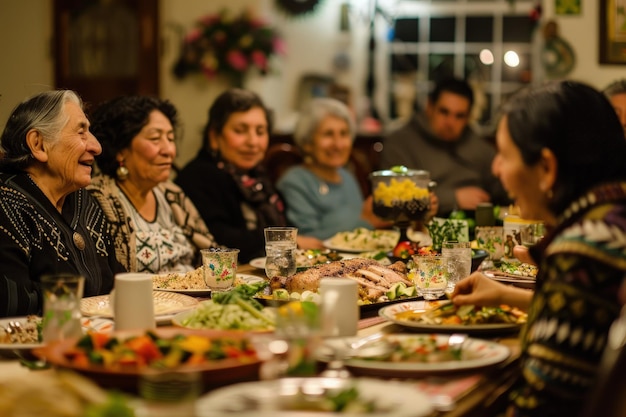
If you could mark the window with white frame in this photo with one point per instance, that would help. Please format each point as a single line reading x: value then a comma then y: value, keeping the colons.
x: 487, y: 42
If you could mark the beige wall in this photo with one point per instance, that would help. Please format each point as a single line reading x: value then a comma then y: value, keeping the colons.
x: 312, y: 42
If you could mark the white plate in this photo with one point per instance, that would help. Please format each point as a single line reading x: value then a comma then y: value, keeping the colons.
x: 205, y: 292
x: 392, y: 235
x: 528, y: 283
x: 94, y: 324
x: 390, y: 312
x: 166, y: 304
x: 258, y: 399
x: 476, y: 354
x: 250, y: 279
x: 258, y: 263
x: 327, y: 244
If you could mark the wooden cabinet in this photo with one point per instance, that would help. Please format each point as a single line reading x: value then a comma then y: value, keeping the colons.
x: 106, y: 48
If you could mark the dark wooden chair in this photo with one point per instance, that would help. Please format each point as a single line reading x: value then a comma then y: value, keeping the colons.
x: 280, y: 157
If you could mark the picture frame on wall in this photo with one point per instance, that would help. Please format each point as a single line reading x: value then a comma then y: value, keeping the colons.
x: 612, y: 32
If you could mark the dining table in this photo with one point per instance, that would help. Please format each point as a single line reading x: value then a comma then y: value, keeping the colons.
x: 467, y: 393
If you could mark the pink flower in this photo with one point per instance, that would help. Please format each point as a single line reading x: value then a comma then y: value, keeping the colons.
x: 259, y: 59
x: 279, y: 46
x: 193, y: 35
x: 237, y: 60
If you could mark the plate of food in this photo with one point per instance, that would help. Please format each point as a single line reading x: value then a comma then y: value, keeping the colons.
x: 166, y: 304
x: 515, y: 273
x: 189, y: 283
x: 363, y: 240
x: 377, y: 283
x: 316, y: 396
x: 214, y: 316
x: 30, y: 337
x: 413, y: 355
x: 305, y: 258
x: 220, y: 357
x: 443, y: 316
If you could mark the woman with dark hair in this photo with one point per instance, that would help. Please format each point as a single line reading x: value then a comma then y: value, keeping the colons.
x: 49, y: 224
x: 156, y: 228
x: 560, y: 157
x: 226, y: 181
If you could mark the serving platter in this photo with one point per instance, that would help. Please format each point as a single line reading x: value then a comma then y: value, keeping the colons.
x: 166, y: 304
x: 475, y: 354
x: 389, y: 313
x: 277, y: 398
x: 214, y: 374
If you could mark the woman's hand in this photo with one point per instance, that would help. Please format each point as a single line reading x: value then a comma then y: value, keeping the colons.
x: 478, y: 289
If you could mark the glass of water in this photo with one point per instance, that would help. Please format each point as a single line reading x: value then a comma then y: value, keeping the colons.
x: 457, y: 257
x: 61, y: 306
x: 280, y: 251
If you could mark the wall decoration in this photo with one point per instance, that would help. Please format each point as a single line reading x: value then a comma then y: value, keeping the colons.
x: 567, y: 7
x: 612, y: 31
x: 228, y: 45
x: 557, y: 56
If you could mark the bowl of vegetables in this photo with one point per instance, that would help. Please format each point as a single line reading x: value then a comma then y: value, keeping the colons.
x: 236, y: 309
x: 117, y: 360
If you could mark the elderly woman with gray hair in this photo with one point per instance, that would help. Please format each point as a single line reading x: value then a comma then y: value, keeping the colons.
x: 321, y: 195
x: 49, y: 224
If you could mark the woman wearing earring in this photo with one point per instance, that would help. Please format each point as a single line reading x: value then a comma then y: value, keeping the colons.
x: 226, y: 180
x: 156, y: 227
x: 554, y: 144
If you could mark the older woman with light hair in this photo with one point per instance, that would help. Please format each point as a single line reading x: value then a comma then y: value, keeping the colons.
x: 321, y: 195
x: 49, y: 224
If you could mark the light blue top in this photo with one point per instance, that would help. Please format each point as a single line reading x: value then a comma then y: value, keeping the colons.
x: 318, y: 208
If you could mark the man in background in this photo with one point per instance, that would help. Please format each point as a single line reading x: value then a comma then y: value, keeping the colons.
x: 441, y: 141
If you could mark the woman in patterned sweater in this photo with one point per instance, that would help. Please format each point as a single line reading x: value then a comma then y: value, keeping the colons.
x: 49, y: 224
x: 561, y: 154
x: 157, y: 229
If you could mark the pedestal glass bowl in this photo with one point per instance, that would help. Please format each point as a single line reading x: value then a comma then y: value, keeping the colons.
x: 401, y: 195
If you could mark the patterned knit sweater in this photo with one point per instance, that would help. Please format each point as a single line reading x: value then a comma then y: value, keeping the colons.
x: 35, y: 240
x: 185, y: 215
x: 583, y: 263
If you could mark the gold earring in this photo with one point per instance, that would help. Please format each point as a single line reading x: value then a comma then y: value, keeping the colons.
x: 549, y: 194
x: 121, y: 172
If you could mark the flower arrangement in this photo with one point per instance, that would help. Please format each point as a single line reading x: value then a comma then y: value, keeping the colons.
x: 231, y: 45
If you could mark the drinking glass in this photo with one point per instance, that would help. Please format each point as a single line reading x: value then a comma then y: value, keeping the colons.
x: 61, y: 306
x: 531, y: 234
x: 280, y: 250
x: 431, y: 276
x: 457, y: 257
x: 220, y: 268
x: 291, y: 349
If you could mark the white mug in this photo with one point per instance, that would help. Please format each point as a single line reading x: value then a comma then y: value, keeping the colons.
x: 340, y: 309
x: 132, y: 302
